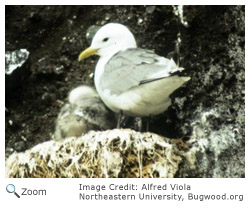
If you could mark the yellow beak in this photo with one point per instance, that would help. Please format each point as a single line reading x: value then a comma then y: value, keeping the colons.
x: 86, y: 53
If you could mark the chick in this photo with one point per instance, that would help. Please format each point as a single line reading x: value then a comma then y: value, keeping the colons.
x: 83, y: 112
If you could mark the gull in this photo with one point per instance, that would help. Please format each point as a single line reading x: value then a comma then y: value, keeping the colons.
x: 83, y: 112
x: 130, y: 80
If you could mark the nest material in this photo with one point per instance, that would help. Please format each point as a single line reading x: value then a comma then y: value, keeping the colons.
x: 112, y: 153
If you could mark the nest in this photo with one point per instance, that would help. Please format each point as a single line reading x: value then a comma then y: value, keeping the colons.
x: 103, y: 154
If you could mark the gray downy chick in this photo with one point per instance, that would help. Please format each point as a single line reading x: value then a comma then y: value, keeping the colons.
x: 84, y: 111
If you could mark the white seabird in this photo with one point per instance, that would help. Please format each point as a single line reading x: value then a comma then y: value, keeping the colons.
x: 83, y: 112
x: 135, y: 81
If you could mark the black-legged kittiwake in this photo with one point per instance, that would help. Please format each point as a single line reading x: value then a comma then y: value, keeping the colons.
x: 135, y: 81
x: 83, y: 112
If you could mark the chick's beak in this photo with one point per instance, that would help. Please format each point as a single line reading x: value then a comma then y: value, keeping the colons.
x: 86, y: 53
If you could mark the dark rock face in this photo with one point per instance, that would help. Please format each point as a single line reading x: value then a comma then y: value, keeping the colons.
x: 215, y: 102
x: 17, y: 69
x: 208, y: 113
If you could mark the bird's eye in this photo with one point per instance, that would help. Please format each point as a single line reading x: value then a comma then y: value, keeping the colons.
x: 105, y: 39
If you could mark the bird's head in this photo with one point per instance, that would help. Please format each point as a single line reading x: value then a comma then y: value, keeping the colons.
x: 108, y: 40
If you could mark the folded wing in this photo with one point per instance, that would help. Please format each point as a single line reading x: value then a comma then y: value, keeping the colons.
x: 132, y: 67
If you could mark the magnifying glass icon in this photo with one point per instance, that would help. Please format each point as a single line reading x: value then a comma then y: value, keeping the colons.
x: 11, y: 189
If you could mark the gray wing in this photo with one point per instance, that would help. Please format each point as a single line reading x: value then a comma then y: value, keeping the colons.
x: 133, y: 67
